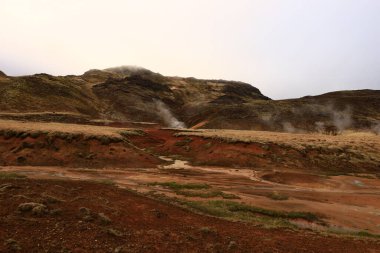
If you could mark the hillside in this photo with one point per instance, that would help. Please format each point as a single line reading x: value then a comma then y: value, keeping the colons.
x: 131, y: 94
x: 122, y: 159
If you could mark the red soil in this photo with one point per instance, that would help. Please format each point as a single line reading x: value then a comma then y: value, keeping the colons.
x: 200, y: 150
x: 136, y: 224
x: 75, y: 153
x: 292, y: 178
x: 84, y: 152
x: 215, y: 152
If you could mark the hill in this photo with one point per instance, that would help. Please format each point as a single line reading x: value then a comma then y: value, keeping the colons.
x: 133, y: 94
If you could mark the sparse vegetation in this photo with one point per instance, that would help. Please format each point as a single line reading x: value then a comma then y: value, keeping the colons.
x: 353, y: 233
x: 223, y: 208
x: 10, y: 175
x: 318, y: 150
x: 183, y: 142
x: 206, y: 194
x: 36, y: 134
x: 277, y: 196
x: 101, y: 105
x: 367, y: 234
x: 9, y: 128
x: 194, y: 190
x: 127, y: 133
x: 177, y: 186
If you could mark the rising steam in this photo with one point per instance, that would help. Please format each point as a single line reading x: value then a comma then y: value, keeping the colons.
x: 167, y: 116
x: 288, y: 127
x: 376, y: 128
x: 326, y: 116
x: 342, y: 119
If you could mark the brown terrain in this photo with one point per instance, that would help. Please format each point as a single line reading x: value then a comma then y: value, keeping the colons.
x: 82, y: 216
x: 131, y: 95
x: 87, y: 165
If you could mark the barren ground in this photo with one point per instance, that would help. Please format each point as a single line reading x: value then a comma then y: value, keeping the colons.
x: 266, y: 192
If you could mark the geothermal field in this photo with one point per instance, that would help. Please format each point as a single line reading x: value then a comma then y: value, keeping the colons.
x: 165, y: 190
x: 127, y: 160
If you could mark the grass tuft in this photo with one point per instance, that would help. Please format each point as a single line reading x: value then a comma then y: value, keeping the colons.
x: 277, y: 196
x: 177, y: 186
x: 127, y: 133
x: 224, y: 208
x: 367, y: 234
x: 206, y: 194
x: 11, y: 175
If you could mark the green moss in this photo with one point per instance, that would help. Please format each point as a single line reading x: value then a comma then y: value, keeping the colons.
x: 224, y: 208
x: 366, y: 234
x: 237, y: 207
x: 36, y: 134
x: 277, y: 196
x: 177, y: 186
x: 136, y: 132
x: 9, y: 134
x: 11, y: 175
x: 206, y: 194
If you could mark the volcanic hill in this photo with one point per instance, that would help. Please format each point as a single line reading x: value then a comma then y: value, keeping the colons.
x: 132, y: 94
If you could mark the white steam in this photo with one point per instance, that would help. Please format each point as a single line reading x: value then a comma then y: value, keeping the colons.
x: 288, y: 127
x: 342, y: 119
x: 320, y: 126
x: 167, y: 116
x: 327, y: 118
x: 376, y: 128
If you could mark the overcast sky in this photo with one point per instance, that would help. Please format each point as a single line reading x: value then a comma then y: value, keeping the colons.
x: 286, y: 48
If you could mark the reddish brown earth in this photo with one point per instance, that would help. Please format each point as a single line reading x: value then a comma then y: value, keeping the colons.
x: 143, y: 151
x: 132, y: 223
x: 292, y: 178
x: 79, y: 152
x: 219, y: 152
x: 252, y: 170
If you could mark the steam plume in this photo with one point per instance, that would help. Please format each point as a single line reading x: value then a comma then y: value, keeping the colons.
x: 342, y: 119
x: 167, y: 116
x: 376, y: 128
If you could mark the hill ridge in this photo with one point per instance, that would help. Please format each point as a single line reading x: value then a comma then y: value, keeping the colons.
x: 135, y: 94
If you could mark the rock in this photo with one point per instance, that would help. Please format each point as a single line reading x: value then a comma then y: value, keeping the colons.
x: 88, y: 218
x: 50, y: 199
x: 57, y: 211
x: 12, y: 245
x: 26, y: 207
x: 119, y: 250
x: 104, y: 219
x: 86, y: 214
x: 232, y: 245
x: 158, y: 213
x: 4, y: 187
x: 39, y: 210
x: 85, y: 210
x: 114, y: 232
x: 21, y: 160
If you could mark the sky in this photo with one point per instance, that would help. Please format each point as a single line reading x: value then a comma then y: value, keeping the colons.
x: 286, y: 48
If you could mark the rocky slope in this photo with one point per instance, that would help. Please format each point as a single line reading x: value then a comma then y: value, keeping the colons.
x: 130, y: 94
